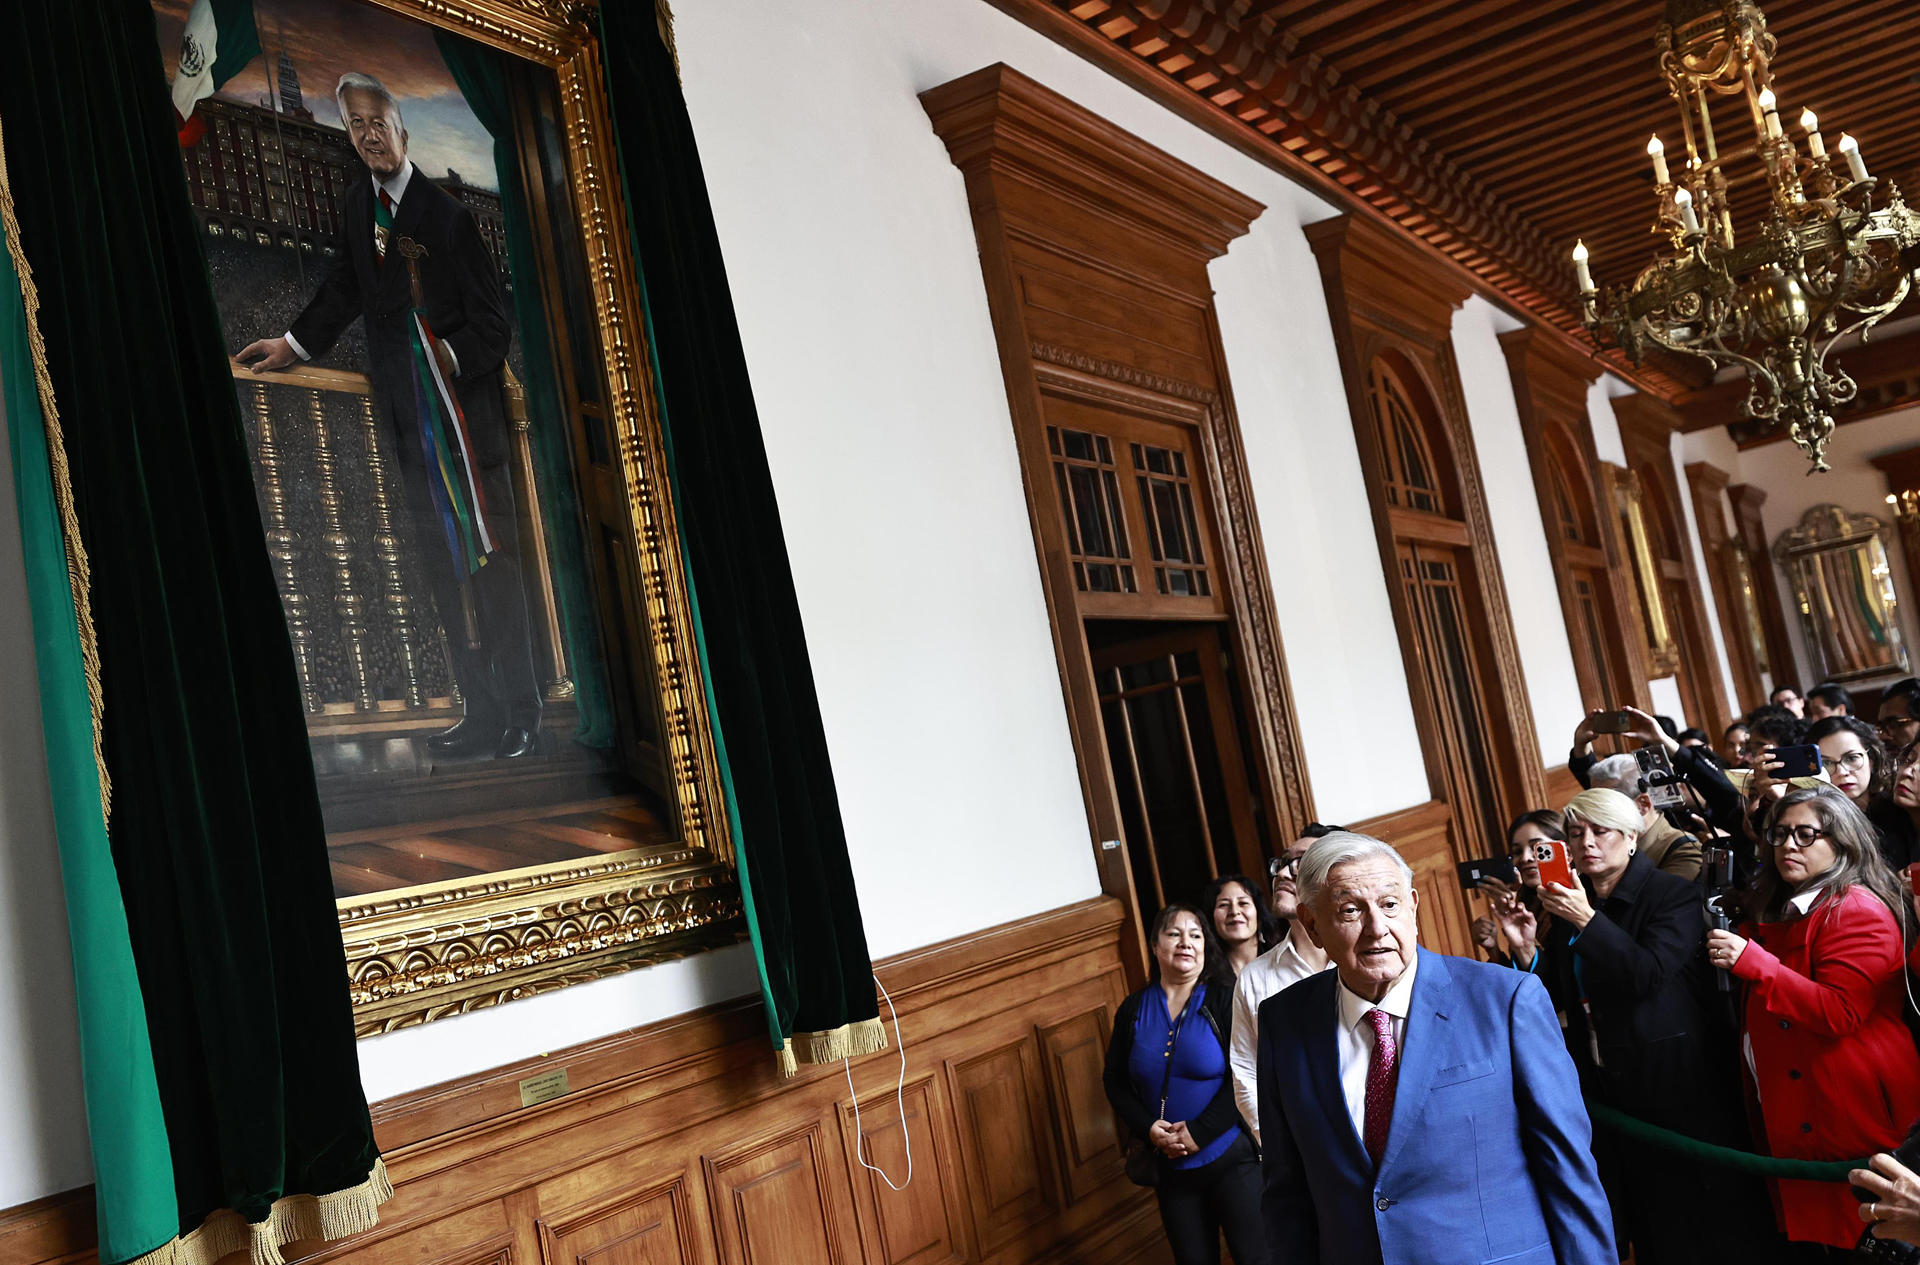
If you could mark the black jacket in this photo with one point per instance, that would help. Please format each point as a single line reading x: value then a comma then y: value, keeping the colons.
x: 1220, y: 1115
x: 465, y: 306
x: 1664, y: 1031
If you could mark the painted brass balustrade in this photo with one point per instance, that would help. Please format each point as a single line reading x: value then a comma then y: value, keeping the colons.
x: 354, y: 564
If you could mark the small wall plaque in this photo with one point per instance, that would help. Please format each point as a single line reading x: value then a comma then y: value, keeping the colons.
x: 545, y: 1087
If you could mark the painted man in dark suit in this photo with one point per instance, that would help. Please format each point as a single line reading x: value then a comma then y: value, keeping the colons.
x: 417, y: 271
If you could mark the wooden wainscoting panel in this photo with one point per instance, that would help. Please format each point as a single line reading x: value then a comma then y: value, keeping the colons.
x: 1075, y: 1054
x: 649, y: 1227
x: 1562, y: 786
x: 925, y: 1222
x: 778, y: 1201
x: 997, y: 1100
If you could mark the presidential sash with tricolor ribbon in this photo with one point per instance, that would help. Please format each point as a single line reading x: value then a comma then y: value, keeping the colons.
x: 440, y: 423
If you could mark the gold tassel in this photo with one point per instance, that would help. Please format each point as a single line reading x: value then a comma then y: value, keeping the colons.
x: 79, y: 577
x: 663, y: 16
x: 849, y: 1041
x: 334, y: 1215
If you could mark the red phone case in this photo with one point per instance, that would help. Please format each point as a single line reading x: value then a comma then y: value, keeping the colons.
x: 1913, y: 877
x: 1556, y: 868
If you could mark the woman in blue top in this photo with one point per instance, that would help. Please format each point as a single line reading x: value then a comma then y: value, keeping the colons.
x: 1168, y: 1078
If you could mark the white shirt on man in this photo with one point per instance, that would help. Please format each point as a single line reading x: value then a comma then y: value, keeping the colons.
x: 395, y: 187
x: 1278, y: 968
x: 1355, y: 1039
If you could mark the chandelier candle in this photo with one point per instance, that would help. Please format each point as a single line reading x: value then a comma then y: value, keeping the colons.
x: 1850, y: 150
x: 1658, y: 152
x: 1683, y: 203
x: 1815, y: 145
x: 1580, y: 269
x: 1768, y: 108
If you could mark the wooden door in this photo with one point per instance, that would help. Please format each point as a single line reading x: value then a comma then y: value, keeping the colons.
x: 1186, y: 804
x: 1436, y: 578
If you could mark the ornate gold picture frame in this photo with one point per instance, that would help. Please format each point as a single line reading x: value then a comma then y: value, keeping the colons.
x: 1663, y: 654
x: 420, y: 950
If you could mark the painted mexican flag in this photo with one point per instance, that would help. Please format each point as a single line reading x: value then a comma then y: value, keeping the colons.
x: 220, y: 39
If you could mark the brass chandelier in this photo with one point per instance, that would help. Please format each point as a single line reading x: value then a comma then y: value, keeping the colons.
x: 1831, y: 255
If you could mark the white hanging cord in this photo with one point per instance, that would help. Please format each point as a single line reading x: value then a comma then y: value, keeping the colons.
x: 900, y: 1099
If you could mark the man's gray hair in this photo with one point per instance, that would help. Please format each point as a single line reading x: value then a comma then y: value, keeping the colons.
x: 1339, y: 848
x: 354, y: 81
x: 1616, y: 773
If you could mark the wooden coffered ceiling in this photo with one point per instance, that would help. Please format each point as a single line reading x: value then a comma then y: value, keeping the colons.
x: 1495, y: 132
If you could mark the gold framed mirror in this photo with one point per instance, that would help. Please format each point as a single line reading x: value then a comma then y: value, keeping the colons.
x: 476, y: 550
x: 1842, y: 585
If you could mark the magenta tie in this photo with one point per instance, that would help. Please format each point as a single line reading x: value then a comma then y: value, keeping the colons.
x: 1380, y: 1079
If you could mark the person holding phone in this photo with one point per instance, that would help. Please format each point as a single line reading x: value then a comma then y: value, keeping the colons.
x: 1509, y: 900
x: 1696, y: 767
x: 1167, y: 1078
x: 1625, y: 963
x: 1828, y: 1058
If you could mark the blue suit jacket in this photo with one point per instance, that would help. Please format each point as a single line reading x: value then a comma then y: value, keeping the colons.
x: 1489, y: 1156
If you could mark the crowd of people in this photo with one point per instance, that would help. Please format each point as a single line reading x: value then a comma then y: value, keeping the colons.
x: 1726, y: 987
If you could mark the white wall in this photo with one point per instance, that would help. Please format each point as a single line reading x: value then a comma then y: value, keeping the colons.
x: 1677, y: 455
x: 1526, y: 568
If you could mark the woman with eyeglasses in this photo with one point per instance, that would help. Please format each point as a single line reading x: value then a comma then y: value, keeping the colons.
x: 1860, y: 769
x: 1625, y: 962
x: 1828, y: 1058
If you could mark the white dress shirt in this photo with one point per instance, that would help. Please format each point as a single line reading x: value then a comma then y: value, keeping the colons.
x: 396, y: 188
x: 1355, y: 1038
x: 1282, y: 966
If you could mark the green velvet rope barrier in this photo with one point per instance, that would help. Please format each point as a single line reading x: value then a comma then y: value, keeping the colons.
x: 1722, y: 1156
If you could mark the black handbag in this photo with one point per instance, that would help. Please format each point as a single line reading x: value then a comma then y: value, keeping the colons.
x: 1144, y: 1161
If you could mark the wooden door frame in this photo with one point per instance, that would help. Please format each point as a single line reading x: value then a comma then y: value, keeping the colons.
x: 1550, y: 383
x: 1647, y: 427
x: 1047, y: 178
x: 1386, y: 297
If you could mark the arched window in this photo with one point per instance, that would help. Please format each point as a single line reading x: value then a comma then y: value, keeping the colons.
x: 1413, y: 477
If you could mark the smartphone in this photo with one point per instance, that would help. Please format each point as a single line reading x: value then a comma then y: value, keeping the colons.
x: 1554, y: 866
x: 1471, y: 872
x: 1799, y: 761
x: 1611, y: 723
x: 1657, y: 775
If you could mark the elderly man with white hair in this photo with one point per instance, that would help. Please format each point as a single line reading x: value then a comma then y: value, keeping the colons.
x: 1416, y: 1109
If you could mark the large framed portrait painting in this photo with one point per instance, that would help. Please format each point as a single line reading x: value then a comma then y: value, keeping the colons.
x: 416, y: 240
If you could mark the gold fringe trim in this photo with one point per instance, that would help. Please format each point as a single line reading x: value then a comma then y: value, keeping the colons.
x: 79, y: 577
x: 663, y: 15
x: 849, y: 1041
x: 324, y: 1217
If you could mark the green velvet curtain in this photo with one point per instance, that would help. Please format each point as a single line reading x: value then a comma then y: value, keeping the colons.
x: 215, y: 827
x: 803, y: 911
x: 133, y: 1169
x: 481, y: 75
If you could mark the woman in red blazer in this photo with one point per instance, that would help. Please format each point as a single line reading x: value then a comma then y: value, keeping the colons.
x: 1827, y: 1054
